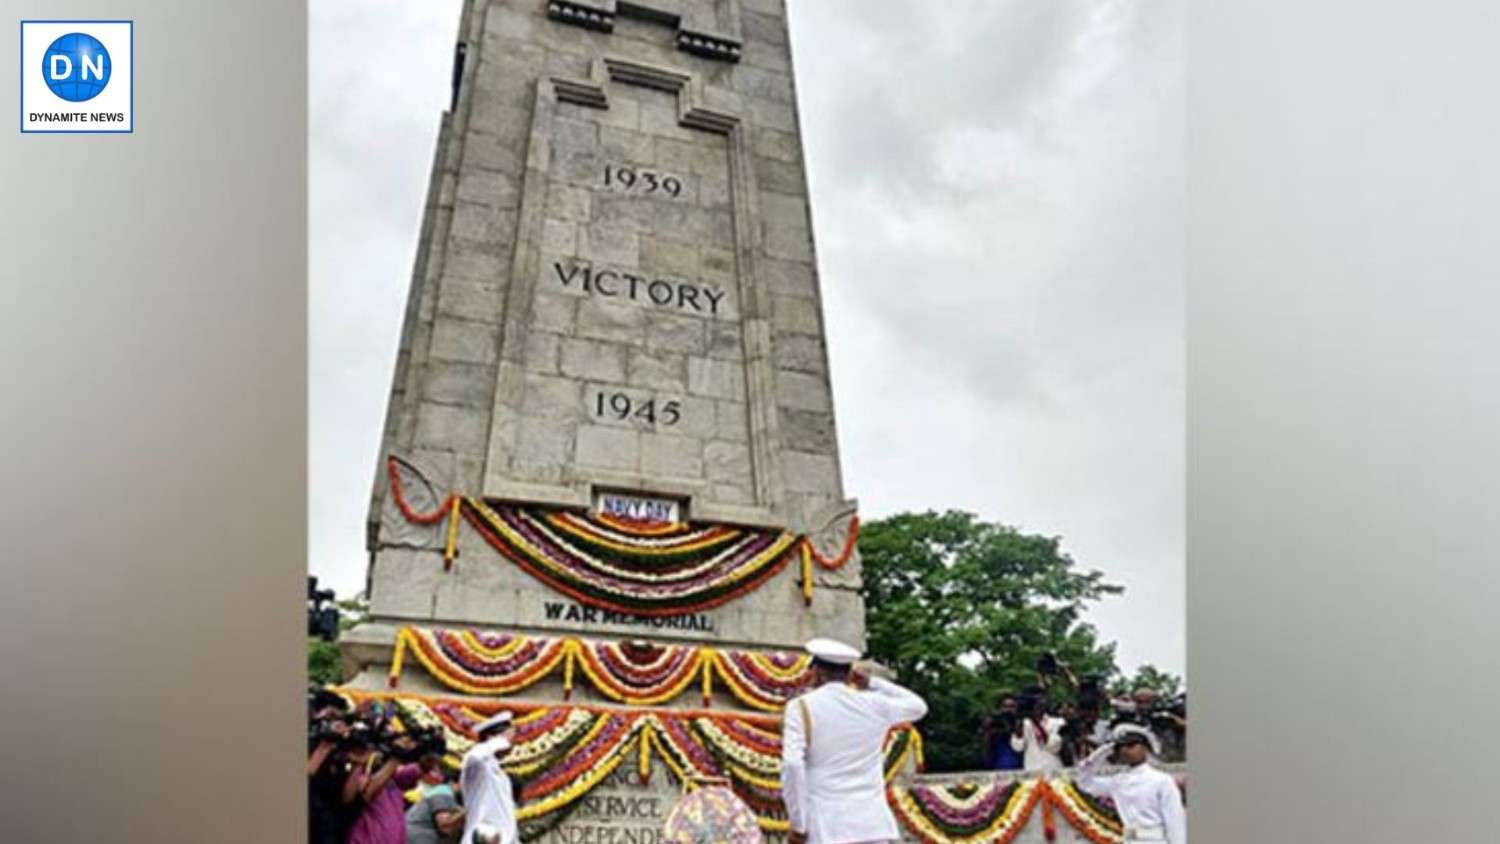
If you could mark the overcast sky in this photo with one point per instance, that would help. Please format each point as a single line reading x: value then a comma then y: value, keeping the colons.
x: 997, y: 199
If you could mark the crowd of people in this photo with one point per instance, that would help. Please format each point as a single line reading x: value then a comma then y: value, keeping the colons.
x: 368, y: 783
x: 1028, y: 732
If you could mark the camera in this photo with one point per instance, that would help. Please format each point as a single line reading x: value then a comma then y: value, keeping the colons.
x: 322, y: 616
x: 1002, y: 721
x: 427, y: 741
x: 1046, y: 664
x: 328, y: 729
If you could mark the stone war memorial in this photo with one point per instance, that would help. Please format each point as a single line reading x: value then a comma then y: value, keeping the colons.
x: 609, y: 494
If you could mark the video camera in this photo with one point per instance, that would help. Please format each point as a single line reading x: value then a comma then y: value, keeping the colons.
x: 1162, y: 709
x: 1091, y: 694
x: 363, y: 732
x: 322, y: 621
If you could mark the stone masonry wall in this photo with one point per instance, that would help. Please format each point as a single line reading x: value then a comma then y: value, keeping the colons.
x: 616, y: 289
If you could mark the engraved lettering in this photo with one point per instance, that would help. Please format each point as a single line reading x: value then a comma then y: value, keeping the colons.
x: 574, y: 612
x: 662, y: 292
x: 659, y: 286
x: 565, y: 277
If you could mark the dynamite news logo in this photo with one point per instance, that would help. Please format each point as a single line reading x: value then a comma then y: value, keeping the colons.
x: 77, y: 76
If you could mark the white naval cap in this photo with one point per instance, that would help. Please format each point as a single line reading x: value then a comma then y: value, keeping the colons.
x: 1123, y: 732
x: 832, y: 651
x: 499, y: 721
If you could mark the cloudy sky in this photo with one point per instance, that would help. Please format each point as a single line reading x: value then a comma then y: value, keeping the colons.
x: 997, y: 195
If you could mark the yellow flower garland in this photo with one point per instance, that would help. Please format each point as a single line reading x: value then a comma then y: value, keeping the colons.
x: 705, y: 662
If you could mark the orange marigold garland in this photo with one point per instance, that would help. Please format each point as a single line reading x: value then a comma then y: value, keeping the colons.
x: 481, y: 664
x: 851, y: 539
x: 626, y: 675
x: 971, y: 813
x: 634, y: 673
x: 562, y: 752
x: 810, y: 555
x: 393, y: 469
x: 640, y: 568
x: 651, y: 577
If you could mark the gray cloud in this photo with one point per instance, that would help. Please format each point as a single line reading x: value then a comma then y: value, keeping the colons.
x: 997, y: 194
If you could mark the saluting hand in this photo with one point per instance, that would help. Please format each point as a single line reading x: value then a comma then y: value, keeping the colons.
x: 859, y: 677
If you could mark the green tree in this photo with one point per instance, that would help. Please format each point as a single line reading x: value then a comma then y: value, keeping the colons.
x: 323, y: 664
x: 961, y: 609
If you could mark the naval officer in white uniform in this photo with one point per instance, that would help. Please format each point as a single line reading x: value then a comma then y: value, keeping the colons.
x: 832, y: 751
x: 1147, y: 799
x: 489, y: 805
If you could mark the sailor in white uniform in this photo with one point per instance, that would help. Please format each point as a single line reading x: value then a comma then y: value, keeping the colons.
x: 1147, y: 799
x: 489, y: 805
x: 832, y: 751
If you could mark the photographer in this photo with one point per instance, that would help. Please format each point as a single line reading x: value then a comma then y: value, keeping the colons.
x: 327, y: 818
x: 1037, y: 736
x: 378, y: 777
x: 1169, y: 722
x: 1076, y: 728
x: 1086, y: 728
x: 994, y: 737
x: 1165, y: 720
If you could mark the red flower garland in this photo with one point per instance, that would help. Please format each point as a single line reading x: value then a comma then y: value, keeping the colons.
x: 850, y: 540
x: 392, y: 468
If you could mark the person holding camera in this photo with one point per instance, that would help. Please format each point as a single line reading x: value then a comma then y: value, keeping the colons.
x: 994, y: 737
x: 489, y: 800
x: 328, y: 820
x: 383, y: 766
x: 436, y: 817
x: 1169, y: 722
x: 1147, y: 800
x: 1038, y: 735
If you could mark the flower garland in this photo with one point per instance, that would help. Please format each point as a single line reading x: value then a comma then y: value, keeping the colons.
x: 449, y: 507
x: 963, y: 813
x: 681, y: 573
x: 810, y: 555
x: 643, y: 676
x: 463, y: 661
x: 763, y: 681
x: 561, y: 753
x: 621, y: 565
x: 492, y: 664
x: 995, y: 812
x: 838, y: 560
x: 1095, y: 820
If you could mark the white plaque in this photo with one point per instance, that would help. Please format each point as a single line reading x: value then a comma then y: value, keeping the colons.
x: 638, y: 508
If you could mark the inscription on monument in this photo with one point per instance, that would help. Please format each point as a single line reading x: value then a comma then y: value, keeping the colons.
x: 621, y: 406
x: 629, y: 179
x: 636, y: 508
x: 662, y: 292
x: 580, y: 614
